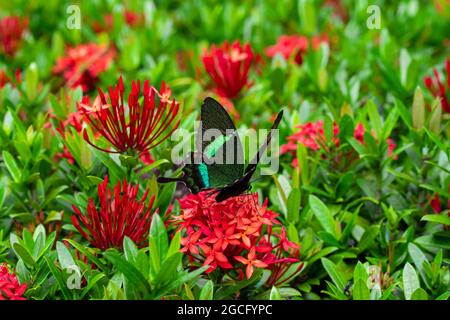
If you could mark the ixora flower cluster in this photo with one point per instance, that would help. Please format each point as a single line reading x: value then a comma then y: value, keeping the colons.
x: 10, y: 288
x: 136, y: 127
x: 11, y: 32
x: 82, y: 65
x: 236, y: 235
x: 312, y: 136
x: 121, y: 214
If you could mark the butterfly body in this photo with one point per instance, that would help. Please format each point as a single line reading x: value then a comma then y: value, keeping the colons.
x: 219, y: 165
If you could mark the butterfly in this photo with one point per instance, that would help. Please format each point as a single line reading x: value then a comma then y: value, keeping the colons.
x: 210, y: 167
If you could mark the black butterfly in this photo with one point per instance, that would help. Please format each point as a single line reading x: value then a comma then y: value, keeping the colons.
x: 227, y: 178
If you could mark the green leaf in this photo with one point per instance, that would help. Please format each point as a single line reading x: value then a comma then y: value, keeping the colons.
x: 31, y: 80
x: 91, y: 283
x: 135, y: 278
x: 65, y: 258
x: 293, y: 205
x: 360, y: 291
x: 158, y: 243
x: 436, y: 115
x: 334, y: 274
x: 374, y: 116
x: 184, y: 278
x: 59, y: 279
x: 12, y: 166
x: 419, y: 294
x: 404, y: 113
x: 23, y: 254
x: 360, y: 273
x: 88, y: 253
x: 418, y: 109
x: 275, y: 294
x: 444, y: 296
x: 419, y: 259
x: 439, y: 218
x: 410, y: 281
x: 129, y: 249
x: 368, y: 237
x: 323, y: 215
x: 174, y: 244
x: 207, y: 291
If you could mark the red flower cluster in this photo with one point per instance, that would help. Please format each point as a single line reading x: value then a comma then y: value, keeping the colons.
x: 10, y: 288
x: 82, y: 65
x: 438, y: 89
x: 312, y: 136
x: 121, y: 214
x: 228, y: 66
x: 138, y: 127
x: 296, y: 46
x: 11, y: 31
x: 229, y: 235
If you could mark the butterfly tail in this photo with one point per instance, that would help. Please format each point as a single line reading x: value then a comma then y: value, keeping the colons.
x: 252, y: 165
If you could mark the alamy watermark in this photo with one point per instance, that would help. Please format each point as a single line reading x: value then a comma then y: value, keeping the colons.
x: 374, y: 19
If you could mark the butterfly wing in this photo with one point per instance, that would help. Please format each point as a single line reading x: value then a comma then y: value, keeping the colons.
x: 254, y: 162
x: 243, y: 183
x: 224, y: 147
x: 211, y: 167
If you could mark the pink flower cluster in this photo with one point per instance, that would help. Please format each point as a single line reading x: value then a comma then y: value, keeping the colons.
x: 312, y: 136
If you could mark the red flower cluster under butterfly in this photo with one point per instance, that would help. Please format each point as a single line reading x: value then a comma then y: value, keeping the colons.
x: 137, y: 127
x: 82, y: 65
x: 228, y: 66
x: 293, y: 45
x: 11, y: 31
x: 229, y: 235
x: 121, y: 214
x: 312, y: 136
x: 10, y: 288
x: 439, y: 89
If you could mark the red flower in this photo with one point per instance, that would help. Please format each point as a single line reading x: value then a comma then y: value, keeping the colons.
x: 296, y: 46
x: 436, y: 203
x: 4, y: 79
x: 10, y: 288
x: 11, y: 31
x: 144, y: 123
x: 230, y: 235
x: 289, y: 46
x: 82, y: 65
x: 312, y: 136
x: 228, y: 66
x: 438, y: 89
x: 280, y: 258
x: 121, y: 214
x: 251, y: 261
